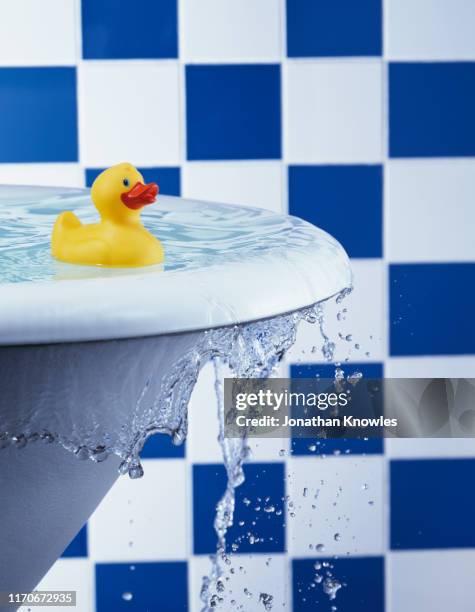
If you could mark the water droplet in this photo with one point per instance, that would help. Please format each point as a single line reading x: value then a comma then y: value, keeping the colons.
x: 247, y: 592
x: 136, y: 471
x: 266, y: 600
x: 127, y: 596
x: 320, y: 547
x: 99, y: 454
x: 82, y: 453
x: 354, y: 378
x: 330, y: 587
x: 337, y: 537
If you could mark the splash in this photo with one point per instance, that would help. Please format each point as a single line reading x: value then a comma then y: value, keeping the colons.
x: 252, y: 350
x: 260, y: 348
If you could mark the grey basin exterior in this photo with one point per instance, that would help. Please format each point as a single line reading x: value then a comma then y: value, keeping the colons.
x: 47, y: 493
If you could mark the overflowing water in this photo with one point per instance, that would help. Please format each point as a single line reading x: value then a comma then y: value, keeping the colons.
x: 249, y: 350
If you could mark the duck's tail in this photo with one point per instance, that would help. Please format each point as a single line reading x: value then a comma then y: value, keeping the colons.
x: 65, y: 223
x: 67, y: 220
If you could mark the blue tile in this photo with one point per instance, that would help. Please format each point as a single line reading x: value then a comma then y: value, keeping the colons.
x: 346, y: 201
x: 431, y: 309
x: 362, y: 580
x: 233, y: 112
x: 432, y: 504
x: 115, y: 29
x: 327, y: 370
x: 78, y: 546
x: 38, y: 120
x: 154, y: 586
x: 371, y: 446
x: 262, y: 480
x: 168, y: 179
x: 336, y: 28
x: 160, y: 446
x: 431, y: 109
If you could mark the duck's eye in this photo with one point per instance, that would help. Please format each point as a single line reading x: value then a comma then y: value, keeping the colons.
x: 126, y: 182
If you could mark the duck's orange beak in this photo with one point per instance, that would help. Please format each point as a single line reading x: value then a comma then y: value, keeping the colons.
x: 140, y: 195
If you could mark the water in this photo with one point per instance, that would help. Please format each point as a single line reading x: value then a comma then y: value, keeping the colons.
x: 250, y: 350
x: 194, y: 234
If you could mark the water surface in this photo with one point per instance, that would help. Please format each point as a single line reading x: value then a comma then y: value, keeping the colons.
x: 194, y: 234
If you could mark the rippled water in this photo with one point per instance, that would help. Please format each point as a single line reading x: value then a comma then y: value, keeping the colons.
x: 194, y: 234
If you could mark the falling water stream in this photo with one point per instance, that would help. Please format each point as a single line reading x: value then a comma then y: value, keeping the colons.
x: 260, y: 348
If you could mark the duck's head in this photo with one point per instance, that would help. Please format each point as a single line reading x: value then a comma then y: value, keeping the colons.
x: 119, y: 193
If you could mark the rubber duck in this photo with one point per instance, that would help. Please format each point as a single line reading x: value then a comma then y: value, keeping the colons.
x: 119, y: 239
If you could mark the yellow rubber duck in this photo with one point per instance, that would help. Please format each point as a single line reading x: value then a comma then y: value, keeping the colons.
x: 119, y: 239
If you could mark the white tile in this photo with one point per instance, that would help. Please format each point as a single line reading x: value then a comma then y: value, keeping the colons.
x: 365, y: 320
x: 226, y: 30
x: 436, y: 580
x: 430, y: 29
x: 143, y: 519
x: 431, y: 367
x: 202, y: 442
x: 333, y: 111
x: 269, y: 574
x: 414, y: 448
x: 36, y: 33
x: 203, y: 427
x: 62, y: 175
x: 430, y: 210
x: 269, y: 449
x: 332, y: 506
x: 129, y: 112
x: 69, y: 575
x: 250, y: 183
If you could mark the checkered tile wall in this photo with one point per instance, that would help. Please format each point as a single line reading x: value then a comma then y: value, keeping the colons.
x: 356, y: 115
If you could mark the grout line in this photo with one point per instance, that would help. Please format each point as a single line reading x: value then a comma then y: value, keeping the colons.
x: 346, y: 59
x: 80, y: 90
x: 284, y: 203
x: 386, y: 288
x: 181, y: 91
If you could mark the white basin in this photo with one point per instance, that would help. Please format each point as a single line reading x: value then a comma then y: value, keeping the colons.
x: 79, y: 345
